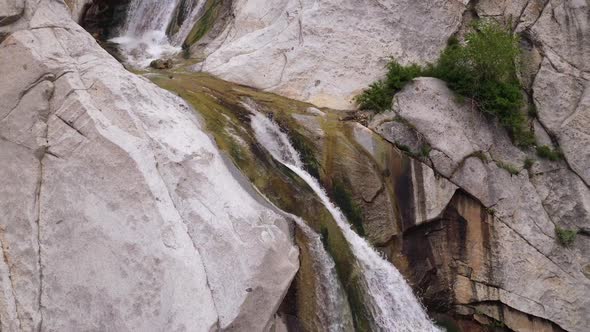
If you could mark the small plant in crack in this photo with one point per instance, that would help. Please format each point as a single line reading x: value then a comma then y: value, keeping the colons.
x: 513, y: 170
x: 565, y: 237
x: 480, y: 155
x: 547, y: 152
x: 425, y: 150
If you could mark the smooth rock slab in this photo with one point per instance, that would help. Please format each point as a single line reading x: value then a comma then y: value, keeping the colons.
x: 119, y: 213
x: 327, y: 51
x: 526, y: 207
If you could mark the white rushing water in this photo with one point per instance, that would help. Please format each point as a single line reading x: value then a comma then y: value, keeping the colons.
x: 390, y: 299
x: 143, y: 37
x: 335, y: 315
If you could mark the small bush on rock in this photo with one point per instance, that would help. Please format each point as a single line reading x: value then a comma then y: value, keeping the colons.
x: 546, y: 152
x: 565, y: 237
x: 379, y: 94
x: 482, y: 69
x: 513, y: 170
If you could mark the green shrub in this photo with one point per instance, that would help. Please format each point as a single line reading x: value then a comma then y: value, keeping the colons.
x: 483, y: 69
x: 479, y: 155
x: 565, y: 237
x: 546, y: 152
x: 425, y: 150
x: 379, y: 95
x: 533, y: 113
x: 404, y: 148
x: 513, y: 170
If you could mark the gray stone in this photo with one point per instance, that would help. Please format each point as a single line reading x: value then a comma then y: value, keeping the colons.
x: 325, y: 52
x: 561, y: 88
x: 397, y: 132
x: 526, y: 211
x: 453, y: 129
x: 119, y: 213
x: 11, y: 11
x: 563, y: 103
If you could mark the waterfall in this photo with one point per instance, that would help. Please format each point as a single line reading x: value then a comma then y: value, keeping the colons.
x: 145, y: 16
x: 144, y: 37
x: 389, y: 298
x: 334, y: 315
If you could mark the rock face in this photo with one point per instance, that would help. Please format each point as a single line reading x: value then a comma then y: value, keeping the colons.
x: 119, y: 213
x: 525, y: 206
x: 78, y: 7
x: 10, y: 11
x: 326, y: 51
x: 559, y: 35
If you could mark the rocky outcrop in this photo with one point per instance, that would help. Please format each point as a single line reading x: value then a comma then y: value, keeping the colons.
x: 326, y: 51
x: 10, y: 11
x: 556, y: 68
x: 119, y: 213
x: 525, y: 207
x: 78, y: 8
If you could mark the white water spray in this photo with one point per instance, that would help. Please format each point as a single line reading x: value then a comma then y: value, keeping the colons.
x: 335, y: 315
x: 143, y: 38
x: 390, y: 299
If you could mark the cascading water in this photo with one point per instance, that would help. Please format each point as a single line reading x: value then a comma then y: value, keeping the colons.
x: 390, y: 299
x: 334, y: 315
x: 144, y: 38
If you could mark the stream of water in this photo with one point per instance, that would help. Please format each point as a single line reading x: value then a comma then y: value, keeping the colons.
x: 144, y: 37
x: 335, y: 315
x: 389, y: 298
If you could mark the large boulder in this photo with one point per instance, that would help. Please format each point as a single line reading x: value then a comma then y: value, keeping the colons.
x: 119, y: 213
x: 475, y: 154
x: 326, y: 51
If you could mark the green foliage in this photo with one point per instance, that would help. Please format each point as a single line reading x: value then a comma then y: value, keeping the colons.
x: 379, y: 94
x: 479, y: 155
x: 482, y: 69
x: 508, y: 167
x: 547, y: 153
x: 235, y: 150
x: 351, y: 210
x: 565, y: 237
x: 425, y: 150
x: 533, y: 112
x: 491, y: 211
x: 404, y: 148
